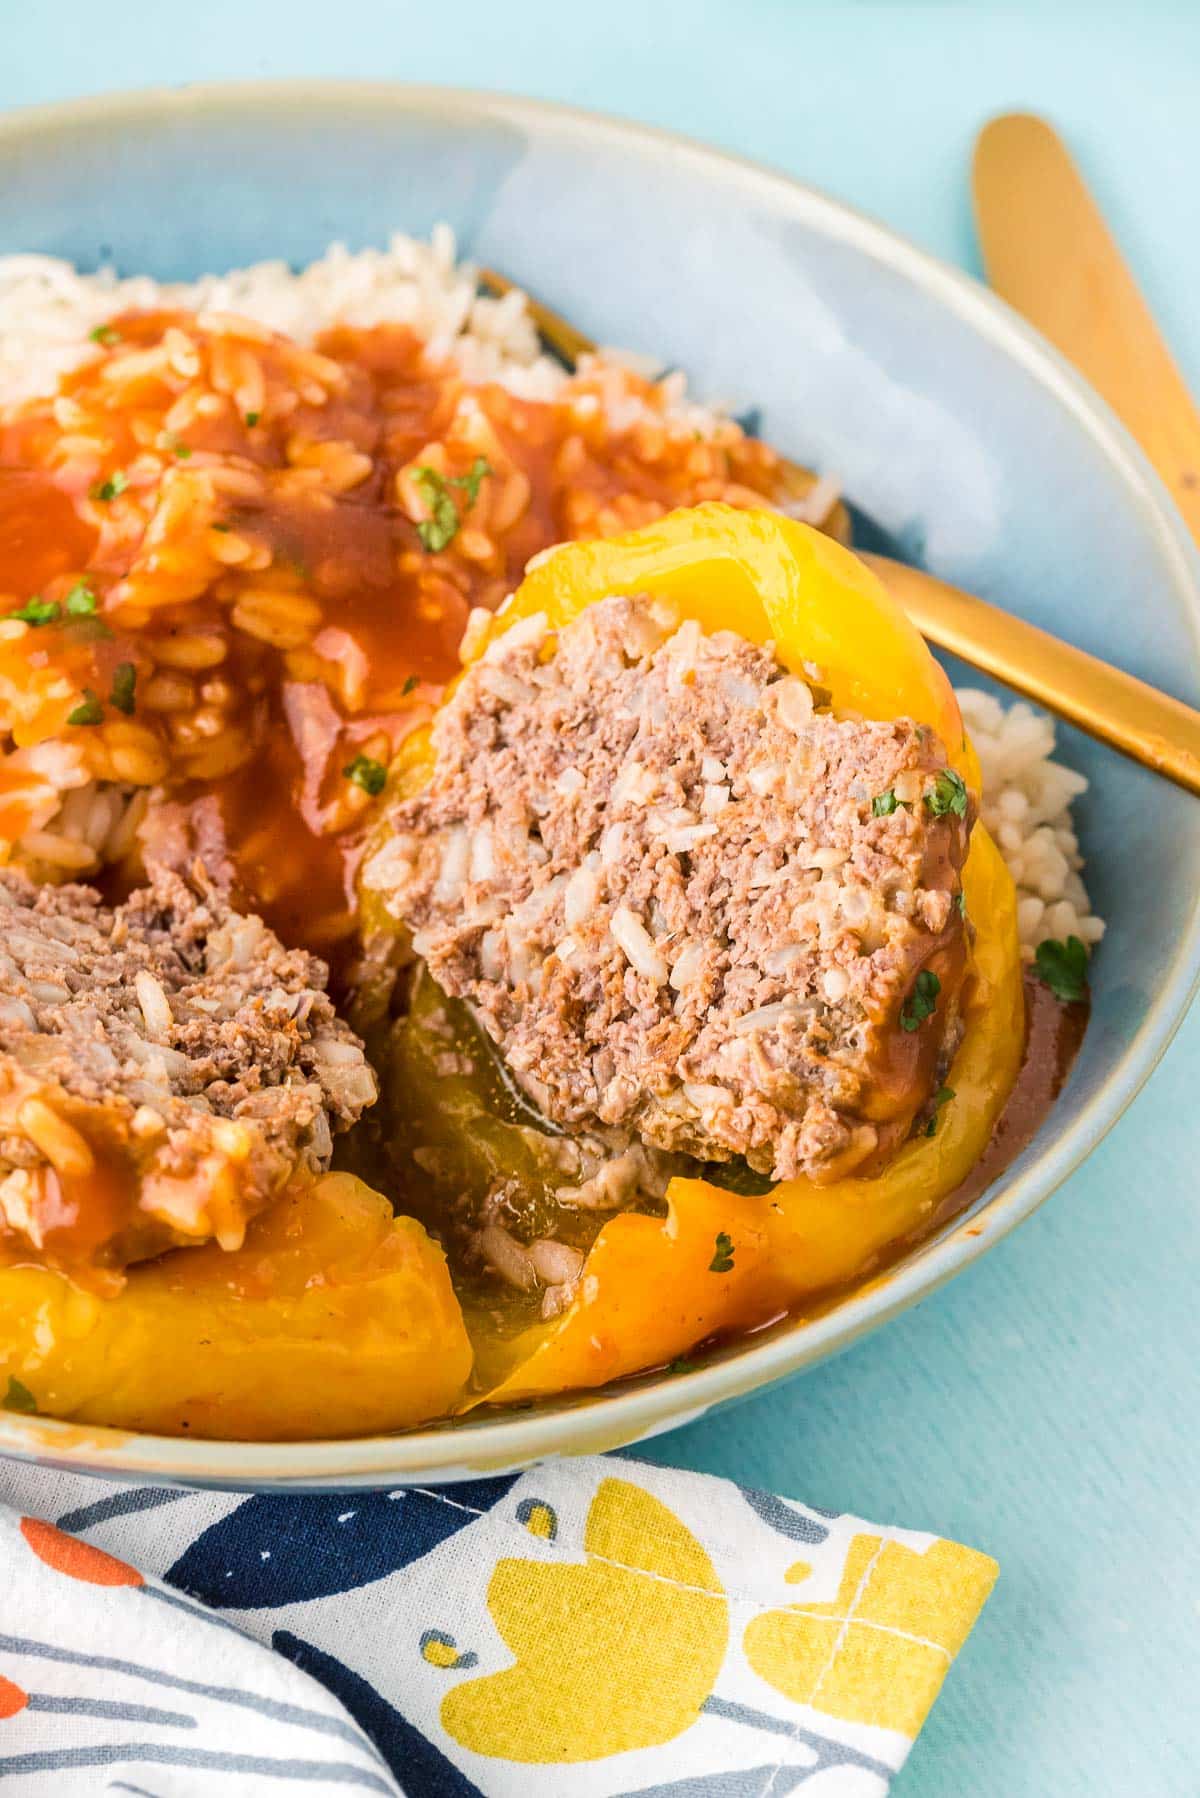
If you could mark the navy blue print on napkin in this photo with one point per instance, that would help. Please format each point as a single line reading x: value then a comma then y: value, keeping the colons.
x: 421, y: 1768
x: 275, y: 1550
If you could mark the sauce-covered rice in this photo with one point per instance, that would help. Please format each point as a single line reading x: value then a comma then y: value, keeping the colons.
x: 251, y: 556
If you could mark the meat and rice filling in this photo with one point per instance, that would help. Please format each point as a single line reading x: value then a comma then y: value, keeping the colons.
x: 164, y: 1068
x: 683, y: 898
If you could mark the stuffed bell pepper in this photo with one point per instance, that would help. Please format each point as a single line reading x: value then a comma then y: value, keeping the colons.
x: 708, y: 987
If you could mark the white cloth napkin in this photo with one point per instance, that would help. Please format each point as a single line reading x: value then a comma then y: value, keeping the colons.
x: 589, y: 1627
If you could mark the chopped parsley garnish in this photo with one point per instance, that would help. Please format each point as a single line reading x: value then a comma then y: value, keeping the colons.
x: 681, y: 1365
x: 441, y: 527
x: 37, y: 611
x: 473, y: 479
x: 941, y: 1097
x: 410, y: 685
x: 947, y: 794
x: 960, y: 899
x: 123, y: 682
x: 252, y: 419
x: 884, y: 804
x: 88, y: 711
x: 1063, y: 968
x: 18, y: 1397
x: 922, y: 1001
x: 105, y: 334
x: 722, y: 1261
x: 368, y: 774
x: 80, y: 601
x: 175, y: 445
x: 106, y: 490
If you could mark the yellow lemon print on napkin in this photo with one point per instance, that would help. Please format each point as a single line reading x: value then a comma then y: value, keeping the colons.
x: 879, y: 1651
x: 618, y: 1652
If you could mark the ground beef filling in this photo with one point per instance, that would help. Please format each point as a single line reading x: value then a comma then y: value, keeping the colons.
x: 685, y: 900
x: 164, y: 1068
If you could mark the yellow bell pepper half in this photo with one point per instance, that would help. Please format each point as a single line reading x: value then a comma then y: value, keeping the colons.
x: 653, y: 1288
x: 334, y: 1319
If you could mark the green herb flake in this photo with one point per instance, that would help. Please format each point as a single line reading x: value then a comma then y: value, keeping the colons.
x: 123, y: 682
x: 941, y: 1097
x: 947, y: 794
x: 922, y: 1001
x: 681, y: 1365
x: 37, y: 611
x: 722, y: 1261
x: 1063, y: 968
x: 368, y: 774
x: 252, y: 419
x: 410, y: 685
x: 222, y: 527
x: 18, y: 1397
x: 108, y: 490
x: 88, y: 711
x: 440, y: 529
x: 884, y: 804
x: 80, y: 601
x: 174, y: 445
x: 473, y: 479
x: 105, y: 334
x: 960, y: 899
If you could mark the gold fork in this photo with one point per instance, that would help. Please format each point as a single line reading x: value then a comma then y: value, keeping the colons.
x: 1126, y: 713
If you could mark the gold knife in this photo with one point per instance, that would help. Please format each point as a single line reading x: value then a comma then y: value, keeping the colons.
x: 1049, y: 253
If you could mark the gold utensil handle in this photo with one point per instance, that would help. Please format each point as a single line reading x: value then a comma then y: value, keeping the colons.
x: 1160, y: 732
x: 1049, y: 253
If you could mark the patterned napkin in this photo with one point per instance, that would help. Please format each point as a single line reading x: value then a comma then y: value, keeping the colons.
x: 590, y: 1627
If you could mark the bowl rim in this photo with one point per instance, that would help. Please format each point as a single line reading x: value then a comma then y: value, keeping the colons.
x: 615, y: 1417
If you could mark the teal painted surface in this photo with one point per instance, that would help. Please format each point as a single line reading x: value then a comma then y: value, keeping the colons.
x: 1044, y: 1406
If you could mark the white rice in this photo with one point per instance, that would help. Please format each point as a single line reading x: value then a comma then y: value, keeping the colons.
x: 1027, y: 798
x: 48, y: 309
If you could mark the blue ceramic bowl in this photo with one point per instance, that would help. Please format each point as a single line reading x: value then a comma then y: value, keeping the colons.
x: 969, y: 443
